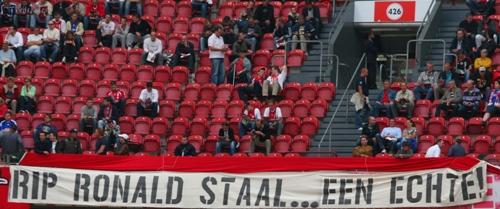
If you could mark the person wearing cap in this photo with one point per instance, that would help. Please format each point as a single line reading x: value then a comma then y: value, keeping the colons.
x: 107, y: 112
x: 11, y: 144
x: 7, y: 121
x: 457, y: 150
x: 434, y: 150
x: 71, y: 145
x: 185, y: 148
x: 405, y: 151
x: 483, y: 61
x: 50, y: 47
x: 450, y: 101
x: 148, y: 100
x: 121, y: 148
x: 426, y: 81
x: 44, y: 127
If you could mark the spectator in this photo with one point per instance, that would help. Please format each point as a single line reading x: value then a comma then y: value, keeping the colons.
x: 111, y: 132
x: 7, y: 121
x: 486, y: 41
x: 425, y: 83
x: 240, y: 70
x: 252, y: 112
x: 60, y: 8
x: 450, y: 101
x: 390, y: 135
x: 460, y: 42
x: 153, y: 48
x: 56, y: 145
x: 493, y: 106
x: 91, y: 21
x: 250, y: 11
x: 372, y: 131
x: 405, y: 152
x: 138, y: 31
x: 8, y: 14
x: 293, y: 16
x: 274, y: 118
x: 133, y: 5
x: 203, y: 6
x: 76, y: 27
x: 457, y: 150
x: 228, y: 34
x: 360, y: 99
x: 409, y: 136
x: 23, y: 14
x: 105, y: 31
x: 118, y: 98
x: 3, y: 107
x: 45, y: 127
x: 246, y: 125
x: 264, y: 13
x: 435, y: 150
x: 120, y: 34
x: 254, y: 89
x: 470, y: 100
x: 385, y: 101
x: 101, y: 144
x: 464, y: 66
x: 184, y: 54
x: 445, y: 76
x: 242, y: 22
x: 216, y: 54
x: 7, y: 61
x: 226, y: 140
x: 363, y: 149
x: 78, y: 8
x: 27, y: 99
x: 483, y: 61
x: 107, y: 112
x: 114, y: 7
x: 69, y: 48
x: 311, y: 13
x: 148, y: 101
x: 482, y: 78
x: 15, y: 41
x: 185, y: 149
x: 302, y: 31
x: 88, y: 117
x: 275, y: 82
x: 97, y: 6
x: 241, y: 46
x: 208, y: 29
x: 122, y: 147
x: 372, y: 49
x: 261, y: 138
x: 12, y: 146
x: 42, y: 10
x: 11, y: 94
x: 59, y: 23
x: 51, y: 37
x: 42, y: 144
x: 281, y: 34
x: 71, y: 145
x: 469, y: 26
x: 481, y: 7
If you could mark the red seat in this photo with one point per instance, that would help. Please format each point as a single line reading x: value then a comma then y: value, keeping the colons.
x: 286, y: 107
x: 261, y: 57
x: 103, y: 87
x: 447, y: 142
x: 198, y: 127
x: 151, y: 144
x: 436, y: 126
x: 493, y: 128
x: 135, y: 56
x: 143, y: 125
x: 173, y: 40
x: 137, y: 87
x: 23, y: 121
x: 301, y: 108
x: 159, y: 126
x: 167, y: 8
x: 42, y: 70
x: 309, y: 91
x: 173, y: 91
x: 482, y: 144
x: 58, y: 121
x: 63, y: 105
x: 181, y: 25
x: 52, y: 87
x: 73, y: 122
x: 422, y: 108
x: 215, y: 126
x: 466, y: 143
x: 257, y: 154
x: 45, y: 104
x: 224, y: 92
x: 278, y: 57
x: 127, y: 73
x: 287, y: 7
x: 119, y: 56
x: 219, y: 109
x: 295, y: 58
x: 475, y: 126
x: 102, y: 55
x: 419, y: 124
x: 184, y: 9
x: 245, y: 142
x: 89, y: 38
x: 164, y: 24
x: 78, y: 102
x: 167, y: 109
x: 235, y: 108
x: 162, y: 74
x: 300, y: 144
x: 186, y: 109
x: 196, y: 141
x: 59, y: 71
x: 145, y: 73
x: 25, y: 69
x: 69, y: 88
x: 197, y: 25
x: 84, y: 138
x: 309, y: 126
x: 150, y: 8
x: 110, y: 72
x: 456, y: 126
x: 131, y: 107
x: 226, y: 9
x: 292, y: 126
x: 234, y: 123
x: 318, y: 108
x: 401, y: 122
x: 76, y: 71
x: 425, y: 142
x: 292, y: 91
x: 277, y: 8
x: 86, y: 55
x: 267, y: 42
x: 126, y: 124
x: 180, y: 126
x: 191, y: 92
x: 326, y: 91
x: 27, y: 139
x: 235, y: 93
x: 203, y: 109
x: 382, y: 122
x: 37, y: 119
x: 180, y: 74
x: 211, y: 143
x: 172, y: 142
x: 93, y: 72
x: 282, y: 143
x: 496, y: 146
x: 207, y: 92
x: 205, y: 60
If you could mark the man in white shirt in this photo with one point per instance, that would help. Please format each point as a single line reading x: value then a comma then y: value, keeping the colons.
x: 217, y: 48
x: 148, y: 101
x: 275, y: 81
x: 51, y: 37
x: 33, y: 45
x: 391, y: 134
x: 273, y: 117
x: 153, y: 48
x: 252, y: 112
x: 15, y: 41
x: 435, y: 150
x: 105, y: 31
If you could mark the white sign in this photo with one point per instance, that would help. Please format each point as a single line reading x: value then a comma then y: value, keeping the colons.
x: 395, y: 11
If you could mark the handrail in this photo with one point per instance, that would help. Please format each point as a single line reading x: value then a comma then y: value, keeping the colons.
x: 426, y: 17
x: 336, y: 22
x: 308, y: 41
x: 422, y: 40
x: 328, y: 128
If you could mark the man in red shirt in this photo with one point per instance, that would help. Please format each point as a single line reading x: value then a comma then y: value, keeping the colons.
x: 384, y: 101
x: 240, y: 70
x: 118, y: 97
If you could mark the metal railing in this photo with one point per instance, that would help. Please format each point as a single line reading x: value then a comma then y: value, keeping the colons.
x: 329, y: 127
x: 417, y: 41
x: 336, y: 22
x: 426, y: 18
x: 395, y: 57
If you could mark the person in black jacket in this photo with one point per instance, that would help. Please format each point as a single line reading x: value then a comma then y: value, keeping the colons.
x: 372, y: 131
x: 226, y: 140
x: 139, y: 30
x: 265, y: 15
x: 463, y: 41
x: 185, y: 149
x: 311, y: 13
x: 371, y: 50
x: 184, y: 54
x: 107, y: 111
x: 43, y: 145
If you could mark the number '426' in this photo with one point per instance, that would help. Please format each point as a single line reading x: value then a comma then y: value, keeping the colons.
x: 394, y: 11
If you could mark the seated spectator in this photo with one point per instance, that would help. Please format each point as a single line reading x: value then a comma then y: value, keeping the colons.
x: 203, y: 6
x: 71, y: 145
x: 241, y: 46
x: 481, y: 7
x: 59, y: 23
x: 3, y: 107
x: 246, y: 126
x: 227, y: 22
x: 240, y: 70
x: 185, y: 149
x: 208, y: 29
x: 405, y: 152
x: 91, y: 21
x: 33, y: 45
x: 228, y: 35
x: 107, y: 112
x: 457, y: 150
x: 76, y: 26
x: 486, y: 41
x: 114, y: 7
x: 253, y: 34
x: 470, y: 27
x: 390, y: 135
x: 105, y: 31
x: 56, y: 145
x: 252, y: 112
x: 133, y: 5
x: 450, y: 101
x: 138, y: 31
x: 27, y: 99
x: 254, y: 89
x: 250, y: 11
x: 42, y: 11
x: 482, y: 79
x: 51, y: 37
x: 483, y: 61
x: 445, y: 76
x: 471, y: 100
x: 77, y: 8
x: 409, y: 136
x: 101, y: 144
x: 45, y: 127
x: 372, y: 132
x: 122, y: 147
x: 425, y: 83
x: 261, y: 138
x: 88, y: 117
x: 493, y: 106
x: 60, y: 7
x: 460, y: 42
x: 363, y: 149
x: 118, y: 98
x: 226, y: 140
x: 360, y: 99
x: 42, y: 144
x: 385, y: 101
x: 23, y: 14
x: 273, y: 118
x: 434, y: 150
x: 275, y: 82
x: 302, y: 31
x: 184, y: 54
x: 464, y: 66
x: 7, y: 121
x: 242, y: 23
x: 70, y: 49
x: 96, y: 6
x: 264, y: 13
x: 11, y: 94
x: 293, y: 16
x: 111, y: 132
x: 8, y: 14
x: 311, y: 13
x: 281, y: 34
x: 12, y: 145
x: 120, y: 34
x: 7, y: 61
x: 153, y: 48
x: 148, y: 102
x: 15, y: 41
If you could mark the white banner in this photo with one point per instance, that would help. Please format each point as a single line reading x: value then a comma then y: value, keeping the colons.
x: 322, y: 189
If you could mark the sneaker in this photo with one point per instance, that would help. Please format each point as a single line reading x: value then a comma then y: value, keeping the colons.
x: 360, y: 128
x: 63, y: 60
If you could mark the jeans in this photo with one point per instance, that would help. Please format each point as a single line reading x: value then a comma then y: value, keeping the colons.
x: 252, y: 42
x: 217, y: 70
x: 379, y: 106
x: 202, y: 6
x: 132, y: 40
x: 153, y: 112
x: 118, y: 38
x: 484, y: 8
x: 35, y: 20
x: 419, y: 91
x: 443, y: 106
x: 468, y: 112
x: 223, y: 144
x: 158, y: 59
x: 361, y: 117
x: 138, y: 7
x: 254, y: 91
x: 109, y: 7
x: 53, y: 49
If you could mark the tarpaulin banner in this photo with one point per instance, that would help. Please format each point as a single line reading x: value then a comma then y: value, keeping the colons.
x: 4, y: 190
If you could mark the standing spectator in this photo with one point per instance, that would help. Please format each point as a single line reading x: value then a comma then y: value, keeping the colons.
x: 275, y: 82
x: 7, y: 61
x: 240, y: 70
x: 71, y: 145
x: 273, y: 117
x: 135, y: 5
x: 311, y: 13
x: 96, y: 6
x: 153, y: 48
x: 7, y: 121
x: 42, y: 10
x: 363, y: 149
x: 114, y: 7
x: 138, y: 31
x: 69, y: 48
x: 405, y: 152
x: 460, y: 42
x: 483, y: 61
x: 457, y: 150
x: 302, y: 31
x: 118, y: 97
x: 24, y: 14
x: 107, y: 112
x: 60, y: 7
x: 51, y: 37
x: 45, y: 127
x: 385, y: 101
x: 216, y: 54
x: 450, y: 100
x: 360, y: 99
x: 12, y: 146
x: 425, y: 83
x: 27, y: 99
x: 56, y: 145
x: 15, y: 42
x: 391, y: 134
x: 11, y: 94
x: 185, y: 149
x: 122, y: 147
x: 493, y: 106
x: 91, y: 21
x: 203, y: 6
x: 254, y: 89
x: 148, y: 100
x: 293, y: 16
x: 470, y: 100
x: 261, y: 137
x: 482, y: 78
x: 372, y: 131
x: 120, y: 34
x: 76, y: 27
x: 372, y: 49
x: 78, y: 8
x: 242, y: 23
x: 264, y: 13
x: 481, y: 7
x: 88, y: 117
x: 42, y: 144
x: 105, y: 31
x: 8, y: 14
x: 184, y: 54
x: 101, y: 144
x: 435, y: 150
x: 226, y: 140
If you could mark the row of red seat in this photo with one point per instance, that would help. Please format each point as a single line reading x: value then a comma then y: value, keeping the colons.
x: 234, y: 9
x: 481, y: 144
x: 205, y: 154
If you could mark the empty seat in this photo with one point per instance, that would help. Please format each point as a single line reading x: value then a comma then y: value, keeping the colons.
x: 211, y: 143
x: 226, y: 9
x: 86, y: 55
x: 137, y: 87
x: 216, y: 125
x: 151, y: 144
x: 278, y: 57
x: 493, y: 128
x: 436, y: 126
x: 131, y: 107
x: 102, y: 55
x: 203, y: 109
x: 292, y: 91
x: 261, y: 58
x: 301, y: 108
x: 292, y: 126
x: 181, y: 25
x: 93, y: 72
x: 59, y: 71
x: 300, y: 144
x: 180, y: 126
x: 119, y: 56
x: 126, y: 124
x: 24, y: 69
x: 282, y: 143
x: 145, y: 73
x: 180, y: 74
x: 267, y: 42
x: 127, y: 73
x: 150, y: 8
x: 184, y: 9
x: 164, y: 24
x: 186, y: 109
x: 326, y: 91
x: 58, y: 121
x: 89, y: 38
x: 422, y: 108
x: 191, y: 92
x: 173, y: 91
x: 309, y: 126
x: 167, y: 109
x: 110, y: 72
x: 198, y: 126
x: 23, y: 120
x: 309, y: 91
x: 296, y: 58
x: 73, y: 122
x: 27, y: 139
x: 235, y: 108
x: 63, y: 105
x: 69, y: 88
x: 135, y: 56
x: 207, y: 92
x: 103, y: 87
x: 159, y: 126
x: 78, y: 102
x: 482, y: 144
x: 286, y: 107
x: 37, y: 119
x: 425, y: 142
x: 76, y: 71
x: 224, y: 92
x: 52, y: 87
x: 172, y: 142
x: 475, y: 126
x: 162, y: 74
x: 382, y: 122
x: 45, y: 104
x: 318, y: 108
x: 42, y: 70
x: 456, y: 126
x: 197, y: 25
x: 219, y: 109
x: 142, y: 125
